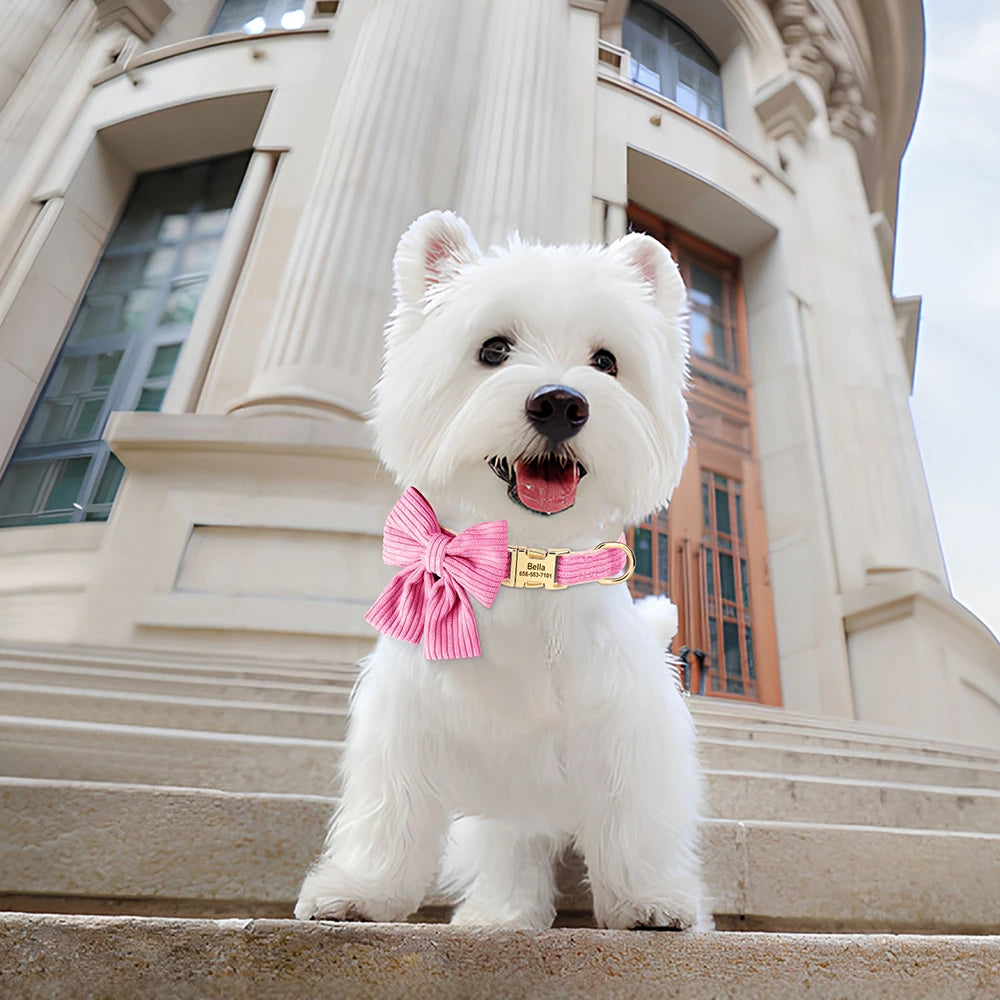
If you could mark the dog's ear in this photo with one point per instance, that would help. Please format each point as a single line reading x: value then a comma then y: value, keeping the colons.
x: 654, y: 267
x: 429, y: 253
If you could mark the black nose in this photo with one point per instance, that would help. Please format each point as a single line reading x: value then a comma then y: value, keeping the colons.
x: 557, y: 411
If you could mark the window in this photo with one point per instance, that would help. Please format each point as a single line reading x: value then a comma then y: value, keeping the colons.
x: 708, y: 552
x: 669, y: 59
x: 123, y: 342
x: 255, y: 16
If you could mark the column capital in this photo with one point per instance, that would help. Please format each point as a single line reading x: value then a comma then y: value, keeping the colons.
x: 813, y: 49
x: 141, y: 17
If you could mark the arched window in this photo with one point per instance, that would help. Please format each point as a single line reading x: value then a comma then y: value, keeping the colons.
x: 255, y: 16
x: 667, y: 58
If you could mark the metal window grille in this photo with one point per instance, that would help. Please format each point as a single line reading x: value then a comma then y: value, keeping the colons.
x: 123, y: 343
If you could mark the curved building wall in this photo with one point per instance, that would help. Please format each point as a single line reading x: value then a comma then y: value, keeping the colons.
x: 249, y: 518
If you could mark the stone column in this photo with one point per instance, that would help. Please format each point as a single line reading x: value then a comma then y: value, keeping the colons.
x: 322, y: 350
x: 26, y: 24
x: 514, y: 172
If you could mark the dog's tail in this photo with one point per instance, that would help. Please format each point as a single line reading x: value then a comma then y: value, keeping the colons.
x: 660, y: 614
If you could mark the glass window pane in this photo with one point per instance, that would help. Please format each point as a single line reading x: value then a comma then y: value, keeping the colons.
x: 164, y: 361
x: 199, y: 256
x: 662, y: 558
x: 722, y: 522
x: 710, y: 572
x: 739, y: 515
x: 734, y: 668
x: 727, y: 577
x: 182, y: 302
x: 745, y: 581
x: 110, y: 480
x: 706, y: 506
x: 706, y: 287
x: 150, y: 400
x: 86, y: 417
x: 713, y: 637
x: 751, y: 670
x: 20, y: 487
x: 134, y: 288
x: 667, y: 58
x: 643, y: 552
x: 66, y: 488
x: 254, y: 16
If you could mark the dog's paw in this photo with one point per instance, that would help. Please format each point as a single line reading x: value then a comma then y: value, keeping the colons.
x: 322, y: 898
x: 473, y: 916
x: 677, y: 912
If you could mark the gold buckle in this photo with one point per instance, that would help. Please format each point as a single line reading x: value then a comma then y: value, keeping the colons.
x: 629, y: 562
x: 533, y: 567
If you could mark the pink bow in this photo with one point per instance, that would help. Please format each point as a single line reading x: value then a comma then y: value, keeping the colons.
x: 428, y: 597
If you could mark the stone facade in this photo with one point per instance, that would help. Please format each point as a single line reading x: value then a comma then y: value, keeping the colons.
x: 248, y: 523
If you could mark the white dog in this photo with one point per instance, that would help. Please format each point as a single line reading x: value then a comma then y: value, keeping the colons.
x: 570, y: 728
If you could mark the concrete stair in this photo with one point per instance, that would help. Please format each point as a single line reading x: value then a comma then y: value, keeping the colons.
x: 164, y: 786
x: 123, y: 958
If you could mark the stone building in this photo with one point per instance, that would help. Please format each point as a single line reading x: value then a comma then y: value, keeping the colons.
x: 199, y: 201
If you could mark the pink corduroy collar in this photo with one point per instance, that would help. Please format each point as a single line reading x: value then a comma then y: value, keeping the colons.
x: 428, y: 599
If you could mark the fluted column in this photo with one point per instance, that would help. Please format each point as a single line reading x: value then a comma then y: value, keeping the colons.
x: 25, y: 26
x: 514, y: 174
x: 322, y: 350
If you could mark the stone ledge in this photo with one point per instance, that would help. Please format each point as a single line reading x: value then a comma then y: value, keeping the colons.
x: 119, y: 842
x: 121, y: 957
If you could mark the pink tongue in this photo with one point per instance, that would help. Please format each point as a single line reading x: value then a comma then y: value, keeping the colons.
x: 546, y: 487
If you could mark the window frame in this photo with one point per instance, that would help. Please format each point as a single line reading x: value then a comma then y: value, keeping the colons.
x: 671, y: 51
x: 720, y: 402
x: 132, y: 373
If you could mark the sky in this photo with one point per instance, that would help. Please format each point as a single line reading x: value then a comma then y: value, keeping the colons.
x: 948, y: 251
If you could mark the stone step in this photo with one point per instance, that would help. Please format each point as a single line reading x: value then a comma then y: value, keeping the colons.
x: 811, y: 736
x: 89, y: 751
x: 126, y: 754
x: 270, y: 707
x: 187, y: 848
x: 767, y: 716
x: 154, y: 683
x: 83, y: 704
x: 178, y: 661
x: 748, y: 795
x: 121, y: 958
x: 875, y: 761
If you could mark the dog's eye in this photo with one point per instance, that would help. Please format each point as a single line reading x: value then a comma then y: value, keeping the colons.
x: 604, y: 361
x: 494, y: 351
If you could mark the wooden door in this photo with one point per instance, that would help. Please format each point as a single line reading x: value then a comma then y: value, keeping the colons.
x: 708, y: 552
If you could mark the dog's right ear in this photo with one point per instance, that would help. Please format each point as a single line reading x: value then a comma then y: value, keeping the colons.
x: 430, y: 252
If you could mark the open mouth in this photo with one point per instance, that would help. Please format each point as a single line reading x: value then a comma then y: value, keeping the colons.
x: 546, y: 485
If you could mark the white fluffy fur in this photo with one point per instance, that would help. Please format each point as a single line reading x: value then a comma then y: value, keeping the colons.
x: 570, y: 729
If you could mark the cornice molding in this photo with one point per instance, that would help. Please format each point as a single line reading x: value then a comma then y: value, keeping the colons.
x: 813, y: 49
x: 141, y: 17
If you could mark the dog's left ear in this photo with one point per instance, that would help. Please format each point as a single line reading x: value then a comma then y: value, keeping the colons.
x: 430, y: 252
x: 654, y: 267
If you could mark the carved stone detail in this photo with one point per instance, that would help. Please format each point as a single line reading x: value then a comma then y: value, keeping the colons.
x: 812, y: 49
x: 141, y: 17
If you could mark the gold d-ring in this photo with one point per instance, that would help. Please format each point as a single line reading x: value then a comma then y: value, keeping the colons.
x: 629, y: 562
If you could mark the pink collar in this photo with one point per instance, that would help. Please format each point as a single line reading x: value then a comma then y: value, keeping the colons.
x: 428, y: 598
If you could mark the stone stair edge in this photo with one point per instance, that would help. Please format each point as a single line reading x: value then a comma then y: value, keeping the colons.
x: 188, y: 958
x: 278, y: 670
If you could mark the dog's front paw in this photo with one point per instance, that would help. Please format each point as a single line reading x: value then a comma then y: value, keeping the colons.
x: 676, y: 912
x: 325, y: 897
